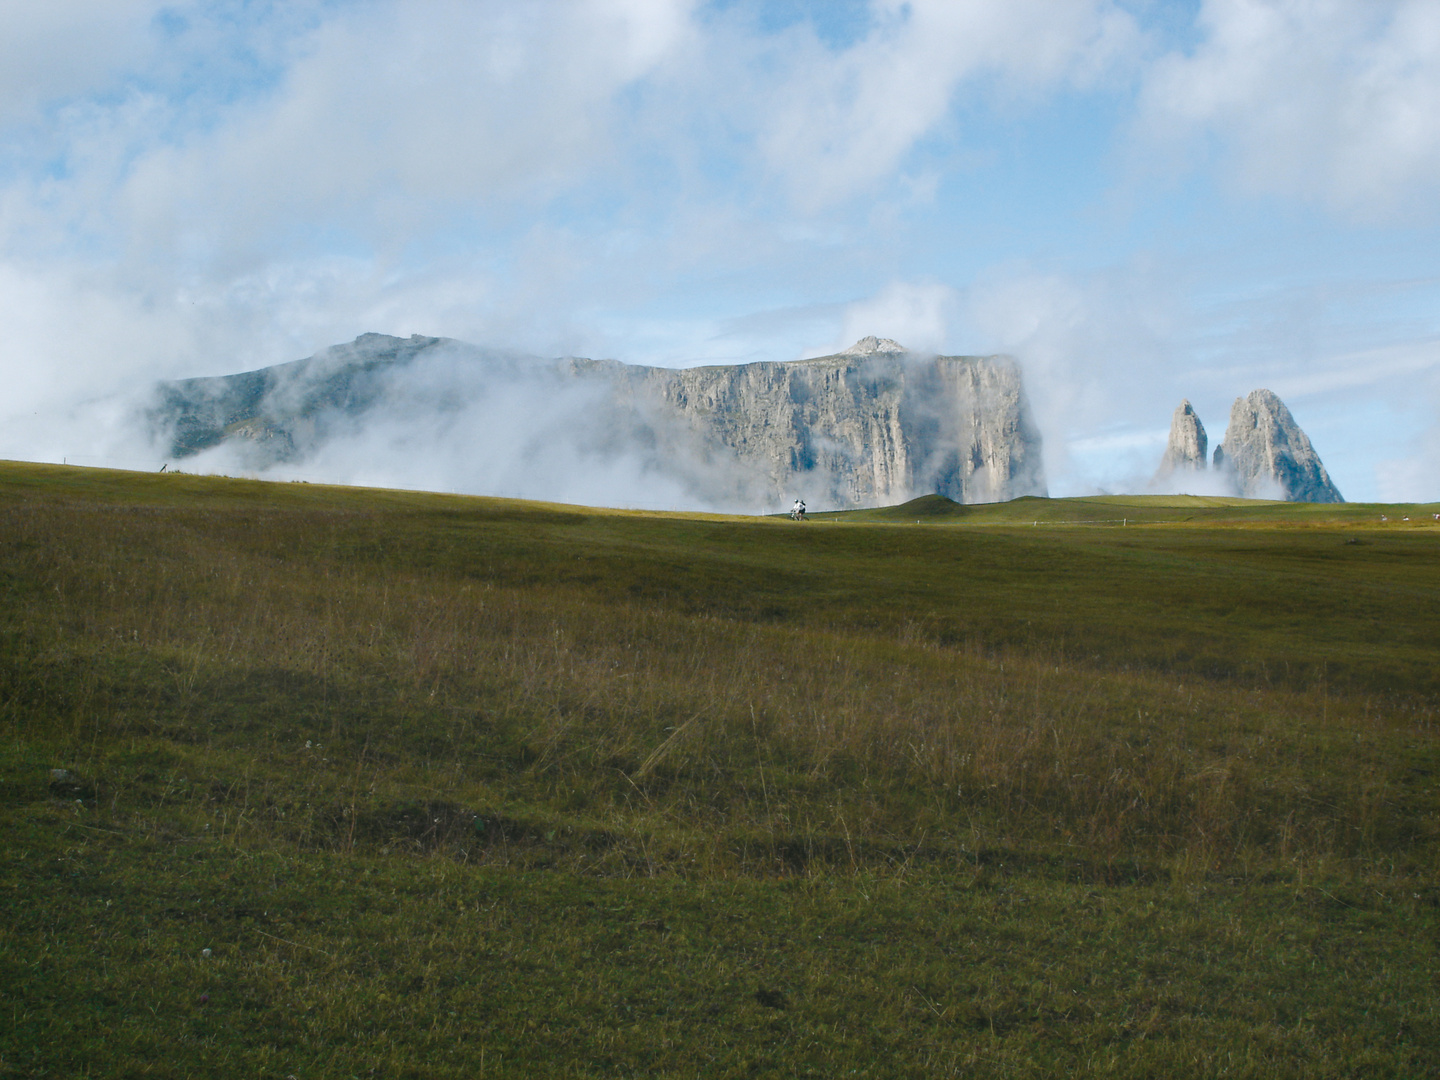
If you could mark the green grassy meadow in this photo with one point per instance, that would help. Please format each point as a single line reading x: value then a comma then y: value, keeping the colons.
x: 365, y: 783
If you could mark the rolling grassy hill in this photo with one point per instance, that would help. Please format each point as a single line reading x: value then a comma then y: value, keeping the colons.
x: 452, y: 786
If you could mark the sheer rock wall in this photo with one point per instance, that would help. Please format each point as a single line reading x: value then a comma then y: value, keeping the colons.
x: 869, y: 426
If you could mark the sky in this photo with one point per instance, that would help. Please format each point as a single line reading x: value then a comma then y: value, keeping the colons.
x: 1142, y: 201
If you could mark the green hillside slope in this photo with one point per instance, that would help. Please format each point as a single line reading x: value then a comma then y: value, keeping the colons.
x: 362, y: 782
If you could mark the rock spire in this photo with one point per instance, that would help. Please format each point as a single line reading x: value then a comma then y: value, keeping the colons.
x: 1187, y: 447
x: 1266, y: 454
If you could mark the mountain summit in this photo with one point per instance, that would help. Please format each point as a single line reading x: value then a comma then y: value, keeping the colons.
x: 867, y: 346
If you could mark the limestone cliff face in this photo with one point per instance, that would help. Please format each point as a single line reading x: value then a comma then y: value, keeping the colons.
x: 872, y: 425
x: 1267, y: 454
x: 1187, y: 447
x: 869, y: 426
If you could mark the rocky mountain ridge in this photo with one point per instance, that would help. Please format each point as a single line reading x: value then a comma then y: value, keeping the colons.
x: 871, y: 425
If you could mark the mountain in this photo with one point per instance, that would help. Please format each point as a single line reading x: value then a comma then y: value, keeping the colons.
x: 1186, y: 449
x: 1265, y: 450
x: 285, y: 408
x: 871, y: 425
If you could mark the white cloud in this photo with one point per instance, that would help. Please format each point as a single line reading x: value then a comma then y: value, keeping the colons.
x: 841, y: 123
x: 53, y: 317
x: 920, y: 316
x: 1332, y: 100
x: 1100, y: 351
x: 61, y: 48
x: 397, y: 118
x: 386, y: 139
x: 181, y: 211
x: 456, y: 418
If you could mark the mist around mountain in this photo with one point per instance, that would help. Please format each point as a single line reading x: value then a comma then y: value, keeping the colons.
x: 419, y: 412
x: 875, y: 424
x: 1264, y: 455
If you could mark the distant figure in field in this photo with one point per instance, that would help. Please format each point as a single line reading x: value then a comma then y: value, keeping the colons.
x: 797, y: 512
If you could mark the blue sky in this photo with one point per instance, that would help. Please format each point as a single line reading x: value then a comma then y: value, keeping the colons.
x: 1143, y: 201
